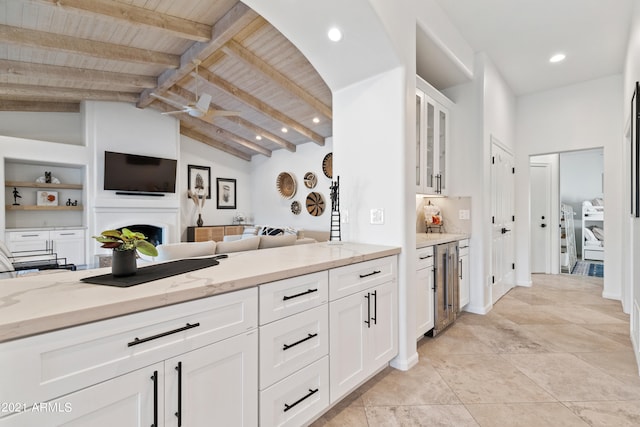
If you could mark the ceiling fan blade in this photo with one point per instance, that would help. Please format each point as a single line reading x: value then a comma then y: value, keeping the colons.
x: 168, y: 113
x: 169, y: 101
x: 204, y: 102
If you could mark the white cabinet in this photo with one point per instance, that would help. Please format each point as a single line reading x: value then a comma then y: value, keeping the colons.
x: 128, y: 400
x: 214, y: 341
x: 363, y: 325
x: 592, y: 227
x: 294, y: 348
x: 68, y: 244
x: 425, y: 275
x: 214, y: 385
x: 432, y: 139
x: 463, y: 272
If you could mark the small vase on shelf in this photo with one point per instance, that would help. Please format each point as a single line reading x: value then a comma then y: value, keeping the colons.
x: 199, y: 222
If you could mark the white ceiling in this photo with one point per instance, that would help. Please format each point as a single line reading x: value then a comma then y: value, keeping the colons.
x: 521, y: 35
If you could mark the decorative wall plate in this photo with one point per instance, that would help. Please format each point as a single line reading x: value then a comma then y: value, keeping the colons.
x: 295, y: 207
x: 286, y: 185
x: 315, y: 203
x: 310, y: 179
x: 327, y: 165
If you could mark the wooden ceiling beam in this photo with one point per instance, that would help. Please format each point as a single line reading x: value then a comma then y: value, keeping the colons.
x: 61, y: 43
x: 45, y: 93
x: 113, y: 81
x: 39, y: 106
x: 222, y: 31
x: 139, y: 16
x: 261, y: 106
x: 205, y: 139
x: 236, y: 50
x: 203, y: 125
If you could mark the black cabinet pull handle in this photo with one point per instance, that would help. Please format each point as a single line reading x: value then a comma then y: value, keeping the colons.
x: 460, y: 269
x: 288, y: 297
x: 179, y: 412
x: 137, y: 340
x: 309, y: 336
x: 362, y: 276
x: 426, y: 257
x: 154, y: 378
x: 368, y: 321
x: 308, y: 395
x: 375, y: 307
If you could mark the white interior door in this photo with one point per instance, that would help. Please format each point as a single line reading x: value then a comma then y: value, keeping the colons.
x: 540, y: 174
x: 502, y: 212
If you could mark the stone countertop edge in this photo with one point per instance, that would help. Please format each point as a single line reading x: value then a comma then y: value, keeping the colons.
x: 431, y: 239
x: 42, y: 303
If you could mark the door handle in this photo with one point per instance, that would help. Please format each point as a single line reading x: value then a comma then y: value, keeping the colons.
x: 154, y: 378
x: 368, y: 321
x: 178, y: 413
x: 504, y: 230
x: 543, y: 225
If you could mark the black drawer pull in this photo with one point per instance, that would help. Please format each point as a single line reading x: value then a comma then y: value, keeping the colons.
x: 154, y: 378
x: 310, y: 291
x: 311, y: 393
x: 362, y: 276
x: 137, y: 340
x: 426, y: 257
x: 309, y: 336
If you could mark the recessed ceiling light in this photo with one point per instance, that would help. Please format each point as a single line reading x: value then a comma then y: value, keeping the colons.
x: 258, y: 137
x: 316, y: 120
x: 284, y: 130
x: 334, y: 34
x: 558, y: 57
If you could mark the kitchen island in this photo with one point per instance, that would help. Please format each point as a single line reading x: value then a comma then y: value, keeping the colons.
x: 187, y: 346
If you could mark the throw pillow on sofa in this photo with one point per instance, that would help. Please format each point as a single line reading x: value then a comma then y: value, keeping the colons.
x: 267, y: 242
x: 170, y: 251
x: 238, y: 245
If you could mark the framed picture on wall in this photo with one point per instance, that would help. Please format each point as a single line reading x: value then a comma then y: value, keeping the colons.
x: 226, y: 193
x: 199, y: 180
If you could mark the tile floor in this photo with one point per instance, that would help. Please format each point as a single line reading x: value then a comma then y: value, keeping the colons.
x: 555, y: 354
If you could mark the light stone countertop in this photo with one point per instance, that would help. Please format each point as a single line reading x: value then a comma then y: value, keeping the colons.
x: 430, y: 239
x: 46, y: 302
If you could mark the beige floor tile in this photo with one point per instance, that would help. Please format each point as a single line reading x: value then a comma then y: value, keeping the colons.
x: 421, y: 385
x: 529, y: 314
x: 482, y: 378
x: 621, y: 365
x: 617, y: 332
x: 618, y: 414
x: 525, y: 415
x: 456, y: 340
x: 427, y: 416
x: 508, y: 337
x: 569, y: 378
x: 572, y: 338
x: 351, y: 416
x: 580, y: 314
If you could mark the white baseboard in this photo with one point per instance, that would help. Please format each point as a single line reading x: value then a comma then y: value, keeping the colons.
x: 526, y: 284
x: 478, y: 309
x: 608, y: 295
x: 405, y: 364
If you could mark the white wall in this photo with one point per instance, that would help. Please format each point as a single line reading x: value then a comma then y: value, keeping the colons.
x: 222, y: 165
x: 631, y: 226
x: 65, y: 128
x: 581, y: 179
x: 270, y: 208
x: 582, y: 116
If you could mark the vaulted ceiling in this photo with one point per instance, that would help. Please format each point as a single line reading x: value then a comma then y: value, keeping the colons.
x: 56, y: 53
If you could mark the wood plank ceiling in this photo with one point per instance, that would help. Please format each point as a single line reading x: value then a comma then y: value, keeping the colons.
x: 56, y: 53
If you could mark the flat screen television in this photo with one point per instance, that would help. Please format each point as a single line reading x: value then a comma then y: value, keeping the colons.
x: 132, y: 173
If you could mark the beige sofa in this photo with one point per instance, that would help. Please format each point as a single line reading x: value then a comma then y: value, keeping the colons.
x: 248, y: 241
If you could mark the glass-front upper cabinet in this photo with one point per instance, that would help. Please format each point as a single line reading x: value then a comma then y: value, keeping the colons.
x: 432, y: 139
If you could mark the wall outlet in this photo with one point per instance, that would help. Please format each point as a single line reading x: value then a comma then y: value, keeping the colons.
x: 464, y: 214
x: 377, y: 216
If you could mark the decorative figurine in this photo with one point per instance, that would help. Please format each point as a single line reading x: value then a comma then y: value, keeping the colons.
x: 47, y: 177
x: 16, y: 196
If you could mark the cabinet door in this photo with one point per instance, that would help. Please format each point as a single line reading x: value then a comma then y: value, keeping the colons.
x: 69, y: 244
x: 204, y: 234
x: 128, y: 400
x: 214, y: 385
x: 443, y: 140
x: 347, y: 334
x: 430, y: 145
x: 464, y: 279
x: 420, y: 144
x: 424, y: 301
x: 382, y: 339
x: 20, y: 241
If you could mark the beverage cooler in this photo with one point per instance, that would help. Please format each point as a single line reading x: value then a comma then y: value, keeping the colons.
x: 447, y: 303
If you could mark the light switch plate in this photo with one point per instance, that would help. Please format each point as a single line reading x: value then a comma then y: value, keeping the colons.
x: 464, y: 214
x: 377, y: 216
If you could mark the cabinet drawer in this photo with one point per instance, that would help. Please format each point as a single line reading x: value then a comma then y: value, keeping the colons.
x: 290, y: 296
x: 424, y: 257
x: 27, y: 236
x: 66, y: 234
x: 597, y: 255
x: 292, y: 343
x: 463, y: 247
x: 298, y: 398
x: 353, y: 278
x: 53, y: 364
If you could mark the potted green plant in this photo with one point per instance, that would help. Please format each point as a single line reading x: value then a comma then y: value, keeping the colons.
x: 125, y: 244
